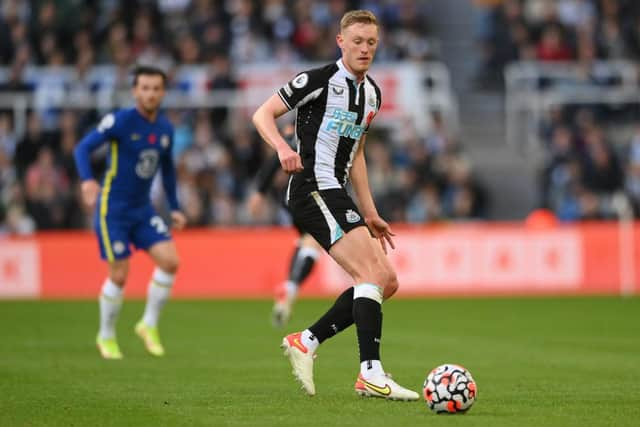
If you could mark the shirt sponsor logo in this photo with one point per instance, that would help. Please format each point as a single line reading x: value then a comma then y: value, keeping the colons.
x: 344, y: 124
x: 135, y: 136
x: 147, y: 163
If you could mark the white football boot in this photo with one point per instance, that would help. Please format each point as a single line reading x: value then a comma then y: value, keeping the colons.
x: 301, y: 359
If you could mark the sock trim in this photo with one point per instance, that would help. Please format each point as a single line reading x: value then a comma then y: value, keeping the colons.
x: 371, y: 367
x: 310, y: 252
x: 110, y: 299
x: 369, y: 291
x: 111, y: 291
x: 160, y: 285
x: 162, y: 277
x: 309, y: 340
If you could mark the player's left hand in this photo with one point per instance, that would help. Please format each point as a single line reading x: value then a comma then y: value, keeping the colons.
x: 381, y: 230
x: 178, y: 220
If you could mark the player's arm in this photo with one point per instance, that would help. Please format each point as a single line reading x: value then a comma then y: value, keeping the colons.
x: 302, y: 89
x: 264, y: 120
x: 169, y: 183
x: 82, y: 156
x: 360, y: 183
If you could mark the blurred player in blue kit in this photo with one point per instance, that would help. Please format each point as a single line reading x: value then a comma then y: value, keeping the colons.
x: 139, y: 141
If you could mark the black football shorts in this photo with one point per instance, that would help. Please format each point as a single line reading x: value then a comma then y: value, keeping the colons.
x: 327, y: 215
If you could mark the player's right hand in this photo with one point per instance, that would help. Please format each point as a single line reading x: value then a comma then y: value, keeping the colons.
x: 381, y: 230
x: 289, y: 160
x: 90, y: 190
x: 178, y: 220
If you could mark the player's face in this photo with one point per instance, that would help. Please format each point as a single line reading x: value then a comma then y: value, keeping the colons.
x: 358, y: 43
x: 149, y: 91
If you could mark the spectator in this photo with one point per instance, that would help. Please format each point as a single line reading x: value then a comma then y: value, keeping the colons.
x: 632, y: 171
x: 46, y: 191
x: 611, y: 41
x: 28, y: 148
x: 220, y: 79
x: 556, y: 173
x: 7, y: 136
x: 602, y: 172
x: 438, y: 139
x: 425, y: 205
x: 553, y: 47
x: 462, y: 197
x: 17, y: 222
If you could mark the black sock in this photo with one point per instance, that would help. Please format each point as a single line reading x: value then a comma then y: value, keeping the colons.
x: 301, y: 266
x: 338, y: 318
x: 367, y: 315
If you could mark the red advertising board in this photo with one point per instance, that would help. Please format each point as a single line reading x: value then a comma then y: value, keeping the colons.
x: 456, y: 260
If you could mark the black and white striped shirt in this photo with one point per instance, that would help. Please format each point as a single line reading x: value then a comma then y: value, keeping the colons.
x: 334, y: 111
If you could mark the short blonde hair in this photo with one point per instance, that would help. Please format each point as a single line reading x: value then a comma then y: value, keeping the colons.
x: 357, y: 17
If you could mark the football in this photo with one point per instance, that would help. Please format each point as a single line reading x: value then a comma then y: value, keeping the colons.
x: 449, y: 389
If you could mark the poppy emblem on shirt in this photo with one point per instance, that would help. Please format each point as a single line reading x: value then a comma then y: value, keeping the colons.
x: 152, y: 138
x: 370, y: 117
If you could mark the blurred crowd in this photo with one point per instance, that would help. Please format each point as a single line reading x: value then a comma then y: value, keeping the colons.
x: 592, y: 164
x: 555, y: 30
x: 590, y: 169
x: 415, y: 177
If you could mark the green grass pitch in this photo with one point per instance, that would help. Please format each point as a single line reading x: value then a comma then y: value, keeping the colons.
x: 537, y: 362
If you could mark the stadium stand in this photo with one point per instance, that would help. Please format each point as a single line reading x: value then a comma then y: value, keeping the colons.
x: 571, y: 75
x: 70, y: 59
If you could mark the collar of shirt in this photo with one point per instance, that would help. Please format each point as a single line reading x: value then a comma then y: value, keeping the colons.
x: 143, y: 117
x: 347, y: 73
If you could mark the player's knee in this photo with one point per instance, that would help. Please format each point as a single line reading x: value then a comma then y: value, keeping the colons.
x: 169, y: 265
x: 391, y: 286
x: 385, y: 277
x: 389, y: 282
x: 118, y: 278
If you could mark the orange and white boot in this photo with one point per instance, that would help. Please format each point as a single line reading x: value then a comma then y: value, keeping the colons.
x: 301, y: 359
